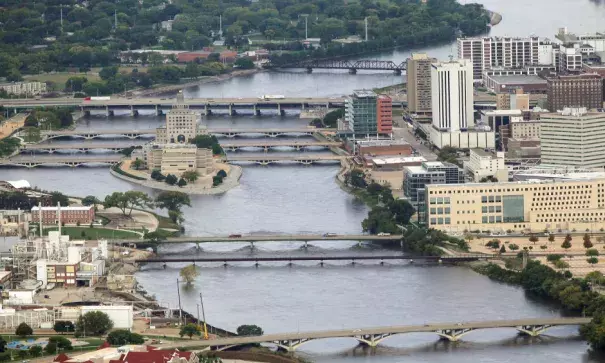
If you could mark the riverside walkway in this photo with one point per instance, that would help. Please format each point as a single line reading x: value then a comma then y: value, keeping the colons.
x: 373, y: 336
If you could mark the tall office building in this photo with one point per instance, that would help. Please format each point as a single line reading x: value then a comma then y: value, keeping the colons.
x: 181, y: 124
x: 452, y: 95
x: 368, y: 114
x: 573, y: 137
x: 419, y: 83
x: 507, y: 52
x: 579, y: 90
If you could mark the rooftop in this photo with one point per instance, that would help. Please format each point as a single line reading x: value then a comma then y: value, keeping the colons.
x: 515, y: 183
x: 482, y: 152
x: 364, y: 93
x: 519, y: 79
x: 54, y: 208
x: 389, y: 142
x: 398, y: 160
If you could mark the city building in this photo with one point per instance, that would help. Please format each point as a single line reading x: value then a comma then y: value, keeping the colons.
x: 499, y: 121
x: 483, y: 164
x: 419, y: 83
x: 388, y: 170
x: 67, y: 215
x: 522, y: 129
x: 177, y: 159
x: 573, y: 137
x: 525, y: 83
x: 476, y: 137
x: 181, y: 124
x: 516, y: 100
x: 534, y: 205
x: 172, y: 152
x: 24, y: 88
x: 383, y: 147
x: 452, y: 95
x: 560, y: 173
x: 522, y: 148
x: 430, y: 172
x: 579, y: 90
x: 492, y: 52
x: 368, y: 114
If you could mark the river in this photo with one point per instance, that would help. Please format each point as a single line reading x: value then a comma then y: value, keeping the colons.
x: 291, y: 199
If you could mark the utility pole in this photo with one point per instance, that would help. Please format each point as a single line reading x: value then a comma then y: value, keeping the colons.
x: 365, y: 20
x: 204, y: 317
x: 61, y: 18
x: 306, y: 16
x: 178, y: 291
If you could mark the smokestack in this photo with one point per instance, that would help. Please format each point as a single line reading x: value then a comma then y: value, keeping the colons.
x: 40, y: 217
x: 59, y: 216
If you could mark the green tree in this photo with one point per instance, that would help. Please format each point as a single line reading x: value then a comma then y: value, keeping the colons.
x: 551, y: 238
x: 35, y: 351
x: 127, y: 201
x: 502, y: 249
x: 51, y: 348
x: 587, y: 243
x: 91, y: 200
x: 181, y: 183
x: 402, y: 211
x: 189, y: 274
x: 566, y: 244
x: 221, y: 173
x: 190, y: 330
x: 249, y: 330
x: 57, y: 197
x: 22, y: 354
x: 61, y: 342
x: 592, y: 260
x: 513, y: 247
x: 172, y: 200
x: 533, y: 238
x: 191, y: 175
x: 64, y: 326
x: 122, y: 337
x: 94, y: 323
x: 137, y: 164
x: 157, y: 175
x: 356, y: 179
x: 171, y: 179
x: 244, y: 63
x: 23, y: 330
x: 216, y: 180
x: 592, y: 252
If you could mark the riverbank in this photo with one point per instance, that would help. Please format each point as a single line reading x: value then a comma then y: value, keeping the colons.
x: 234, y: 173
x: 168, y: 89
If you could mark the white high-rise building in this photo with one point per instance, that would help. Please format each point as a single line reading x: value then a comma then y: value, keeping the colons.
x: 452, y: 95
x: 573, y: 137
x: 504, y: 52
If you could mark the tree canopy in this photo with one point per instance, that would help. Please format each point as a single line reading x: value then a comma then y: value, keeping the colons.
x: 127, y: 201
x: 94, y: 323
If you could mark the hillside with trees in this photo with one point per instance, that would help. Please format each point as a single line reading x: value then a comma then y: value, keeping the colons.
x: 46, y: 36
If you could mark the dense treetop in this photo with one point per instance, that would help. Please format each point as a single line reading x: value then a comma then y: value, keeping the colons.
x: 33, y: 40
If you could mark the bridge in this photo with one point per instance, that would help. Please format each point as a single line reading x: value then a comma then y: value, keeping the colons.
x: 150, y: 133
x: 353, y: 258
x: 68, y: 160
x: 269, y: 238
x: 81, y: 147
x: 297, y: 145
x: 160, y: 105
x: 371, y: 337
x: 352, y: 66
x: 268, y: 159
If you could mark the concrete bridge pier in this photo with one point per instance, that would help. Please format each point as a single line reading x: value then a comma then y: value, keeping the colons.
x: 352, y: 71
x: 309, y: 70
x: 197, y: 246
x: 281, y: 112
x: 86, y: 113
x: 397, y: 72
x: 108, y: 112
x: 133, y: 112
x: 306, y: 246
x: 453, y: 335
x: 158, y: 111
x: 256, y: 110
x: 232, y: 111
x: 266, y: 148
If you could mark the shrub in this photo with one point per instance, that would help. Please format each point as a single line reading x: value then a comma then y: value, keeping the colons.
x: 553, y: 257
x: 592, y: 252
x: 24, y: 330
x: 561, y: 264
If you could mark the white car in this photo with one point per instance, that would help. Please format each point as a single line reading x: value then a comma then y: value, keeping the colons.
x: 384, y: 234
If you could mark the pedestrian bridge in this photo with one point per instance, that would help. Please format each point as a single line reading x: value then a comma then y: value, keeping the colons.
x: 373, y: 336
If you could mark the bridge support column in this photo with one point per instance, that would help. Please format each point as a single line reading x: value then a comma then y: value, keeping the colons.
x: 266, y: 148
x: 108, y: 112
x: 533, y: 330
x: 252, y: 247
x: 158, y: 110
x: 306, y: 246
x: 309, y: 70
x: 197, y: 246
x: 256, y: 110
x: 453, y: 334
x: 353, y: 71
x: 232, y: 111
x: 133, y: 112
x: 86, y: 113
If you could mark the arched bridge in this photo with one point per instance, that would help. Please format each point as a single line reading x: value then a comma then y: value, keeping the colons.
x: 373, y: 336
x: 352, y: 66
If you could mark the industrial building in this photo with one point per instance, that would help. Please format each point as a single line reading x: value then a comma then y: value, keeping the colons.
x: 24, y: 88
x: 552, y: 205
x: 573, y: 137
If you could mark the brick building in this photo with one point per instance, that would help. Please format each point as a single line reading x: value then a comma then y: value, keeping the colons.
x: 69, y: 215
x: 578, y: 90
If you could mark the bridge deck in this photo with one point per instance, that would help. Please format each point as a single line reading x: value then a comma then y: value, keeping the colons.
x: 387, y: 330
x: 152, y: 131
x: 270, y: 238
x: 455, y: 258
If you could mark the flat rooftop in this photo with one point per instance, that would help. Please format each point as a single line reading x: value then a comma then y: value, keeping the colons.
x: 519, y: 79
x: 482, y: 152
x: 514, y: 183
x: 398, y: 160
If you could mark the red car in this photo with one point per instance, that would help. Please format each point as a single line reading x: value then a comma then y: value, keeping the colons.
x: 235, y: 236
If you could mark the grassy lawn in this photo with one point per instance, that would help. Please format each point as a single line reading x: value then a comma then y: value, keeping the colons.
x: 59, y: 79
x: 94, y: 233
x: 165, y: 222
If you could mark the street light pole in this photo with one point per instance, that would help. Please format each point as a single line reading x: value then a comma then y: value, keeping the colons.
x: 204, y: 317
x: 178, y: 290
